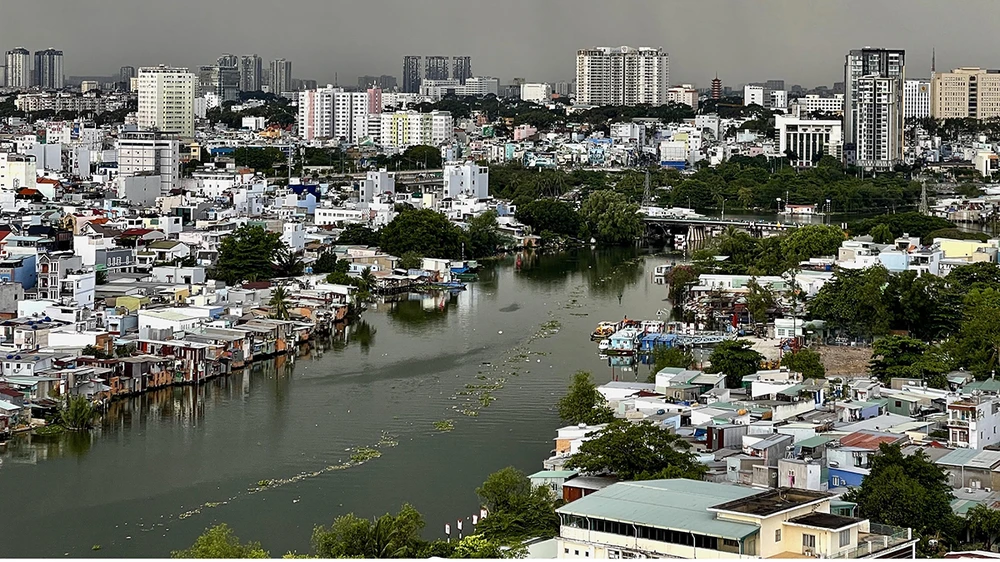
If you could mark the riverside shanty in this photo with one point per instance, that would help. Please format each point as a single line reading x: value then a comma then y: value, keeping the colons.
x: 146, y: 332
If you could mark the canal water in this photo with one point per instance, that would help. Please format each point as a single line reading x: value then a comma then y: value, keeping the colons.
x: 269, y: 450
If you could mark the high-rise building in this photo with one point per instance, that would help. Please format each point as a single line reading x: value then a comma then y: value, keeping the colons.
x: 166, y: 100
x: 621, y: 76
x: 402, y: 129
x: 49, y: 69
x: 280, y: 77
x: 775, y: 84
x: 19, y: 68
x: 149, y: 152
x: 873, y: 123
x: 436, y: 68
x: 251, y: 73
x: 228, y: 60
x: 540, y: 93
x: 222, y: 81
x: 716, y: 87
x: 412, y: 74
x: 332, y: 113
x: 917, y: 98
x: 965, y: 93
x: 461, y: 69
x: 125, y: 76
x: 685, y: 94
x: 804, y: 140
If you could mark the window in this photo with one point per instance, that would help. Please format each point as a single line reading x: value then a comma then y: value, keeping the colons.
x: 777, y: 535
x: 730, y: 542
x: 565, y: 551
x: 845, y: 538
x: 835, y: 481
x: 809, y: 541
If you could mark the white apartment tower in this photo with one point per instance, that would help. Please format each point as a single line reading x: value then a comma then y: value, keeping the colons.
x: 280, y: 77
x: 149, y: 152
x: 916, y: 99
x: 867, y: 73
x: 402, y: 129
x: 621, y: 76
x: 683, y: 94
x: 166, y: 100
x: 332, y: 113
x: 19, y: 68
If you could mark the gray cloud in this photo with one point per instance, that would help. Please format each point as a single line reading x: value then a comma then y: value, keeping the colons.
x: 800, y: 41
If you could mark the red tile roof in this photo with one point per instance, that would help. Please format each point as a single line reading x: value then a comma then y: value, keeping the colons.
x: 870, y: 440
x: 136, y: 232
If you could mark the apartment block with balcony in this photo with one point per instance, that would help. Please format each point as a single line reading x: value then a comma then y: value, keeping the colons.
x: 693, y: 519
x: 974, y: 422
x: 52, y: 269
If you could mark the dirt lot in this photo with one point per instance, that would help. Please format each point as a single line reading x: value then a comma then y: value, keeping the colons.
x: 843, y: 360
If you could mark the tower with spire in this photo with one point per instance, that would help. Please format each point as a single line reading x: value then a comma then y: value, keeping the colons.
x: 716, y: 87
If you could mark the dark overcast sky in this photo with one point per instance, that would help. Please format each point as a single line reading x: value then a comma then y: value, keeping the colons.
x: 800, y: 41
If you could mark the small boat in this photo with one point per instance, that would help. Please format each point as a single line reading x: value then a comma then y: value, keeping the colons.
x: 603, y: 330
x: 604, y: 345
x: 454, y: 285
x: 466, y: 276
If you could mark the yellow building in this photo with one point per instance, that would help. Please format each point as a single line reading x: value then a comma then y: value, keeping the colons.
x: 693, y: 519
x: 969, y: 250
x: 966, y: 92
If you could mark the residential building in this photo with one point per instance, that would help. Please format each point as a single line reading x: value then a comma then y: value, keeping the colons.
x: 333, y: 113
x: 228, y: 59
x: 49, y: 69
x: 621, y: 76
x: 412, y: 74
x: 967, y: 92
x: 755, y: 95
x: 973, y: 422
x: 60, y: 101
x: 685, y: 94
x: 695, y: 519
x: 539, y: 93
x: 376, y: 184
x: 827, y: 104
x: 149, y: 151
x: 402, y: 129
x: 873, y: 107
x: 916, y: 98
x: 16, y: 171
x: 251, y: 73
x: 461, y: 69
x: 466, y: 179
x: 280, y: 77
x: 19, y: 69
x: 166, y: 100
x: 125, y: 76
x: 479, y: 85
x: 223, y: 81
x: 808, y: 138
x: 383, y: 82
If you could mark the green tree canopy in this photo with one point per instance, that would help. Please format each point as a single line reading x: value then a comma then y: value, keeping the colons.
x: 913, y: 224
x: 388, y: 536
x: 485, y: 238
x: 664, y: 357
x: 247, y: 254
x: 260, y: 159
x: 853, y: 302
x: 882, y: 234
x: 358, y: 235
x: 894, y: 356
x: 811, y: 241
x: 735, y: 358
x: 637, y: 451
x: 805, y: 361
x: 610, y: 218
x: 220, y: 542
x: 516, y: 510
x: 583, y: 403
x: 425, y: 232
x: 552, y: 215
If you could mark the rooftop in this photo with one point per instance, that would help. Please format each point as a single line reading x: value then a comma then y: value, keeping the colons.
x: 866, y: 439
x: 772, y: 501
x: 825, y: 521
x: 972, y: 458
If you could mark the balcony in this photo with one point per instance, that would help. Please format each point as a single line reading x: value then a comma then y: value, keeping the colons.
x: 958, y: 423
x: 879, y: 538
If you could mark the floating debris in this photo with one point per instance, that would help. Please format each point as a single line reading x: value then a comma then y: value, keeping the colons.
x: 444, y: 425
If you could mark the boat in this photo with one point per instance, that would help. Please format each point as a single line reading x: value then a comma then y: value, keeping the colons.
x: 624, y: 342
x: 465, y: 276
x: 604, y: 345
x: 603, y: 330
x: 453, y: 285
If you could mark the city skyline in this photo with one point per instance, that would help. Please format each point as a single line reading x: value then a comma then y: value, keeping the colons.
x: 535, y: 48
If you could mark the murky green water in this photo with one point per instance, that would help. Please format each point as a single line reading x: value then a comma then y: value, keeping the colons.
x: 166, y: 465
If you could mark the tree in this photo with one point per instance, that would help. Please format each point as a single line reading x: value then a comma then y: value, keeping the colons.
x: 260, y: 159
x: 220, y: 542
x: 552, y: 215
x: 101, y: 277
x: 669, y: 357
x: 247, y: 254
x: 854, y: 302
x: 811, y: 241
x: 905, y: 491
x: 95, y: 352
x: 77, y: 414
x: 358, y: 235
x: 485, y: 239
x: 984, y: 525
x: 977, y: 343
x: 325, y: 263
x: 279, y: 303
x: 410, y: 260
x: 760, y: 301
x: 478, y: 546
x: 637, y: 451
x: 426, y: 232
x: 610, y: 218
x: 287, y: 263
x: 881, y: 234
x: 583, y: 403
x: 805, y: 361
x: 893, y: 356
x: 735, y: 358
x: 516, y: 509
x: 420, y: 157
x: 388, y: 536
x: 678, y: 279
x: 912, y: 224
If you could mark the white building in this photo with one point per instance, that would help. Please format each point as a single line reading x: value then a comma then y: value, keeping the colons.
x: 403, y: 129
x: 332, y: 113
x: 148, y: 151
x: 536, y: 93
x: 19, y: 68
x: 755, y: 95
x: 166, y: 100
x: 973, y: 422
x: 141, y: 188
x: 814, y: 102
x: 17, y: 171
x: 916, y: 98
x: 778, y: 99
x: 621, y: 76
x: 879, y: 122
x: 466, y: 179
x: 376, y: 184
x: 808, y: 137
x: 481, y: 86
x: 685, y: 94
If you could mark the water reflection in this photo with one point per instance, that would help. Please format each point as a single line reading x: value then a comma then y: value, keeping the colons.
x: 363, y: 333
x: 415, y: 310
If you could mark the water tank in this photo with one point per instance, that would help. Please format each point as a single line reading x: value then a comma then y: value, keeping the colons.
x: 660, y: 412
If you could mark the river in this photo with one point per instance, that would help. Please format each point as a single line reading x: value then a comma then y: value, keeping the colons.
x: 164, y: 466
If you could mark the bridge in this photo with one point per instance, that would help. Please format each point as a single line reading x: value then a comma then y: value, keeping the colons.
x: 695, y: 229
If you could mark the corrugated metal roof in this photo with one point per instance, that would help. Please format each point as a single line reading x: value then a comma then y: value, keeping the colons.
x: 815, y: 441
x: 868, y: 440
x: 972, y: 458
x: 679, y: 504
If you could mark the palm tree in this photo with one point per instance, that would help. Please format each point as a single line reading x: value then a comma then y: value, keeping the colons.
x: 367, y: 280
x: 288, y: 264
x: 279, y: 303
